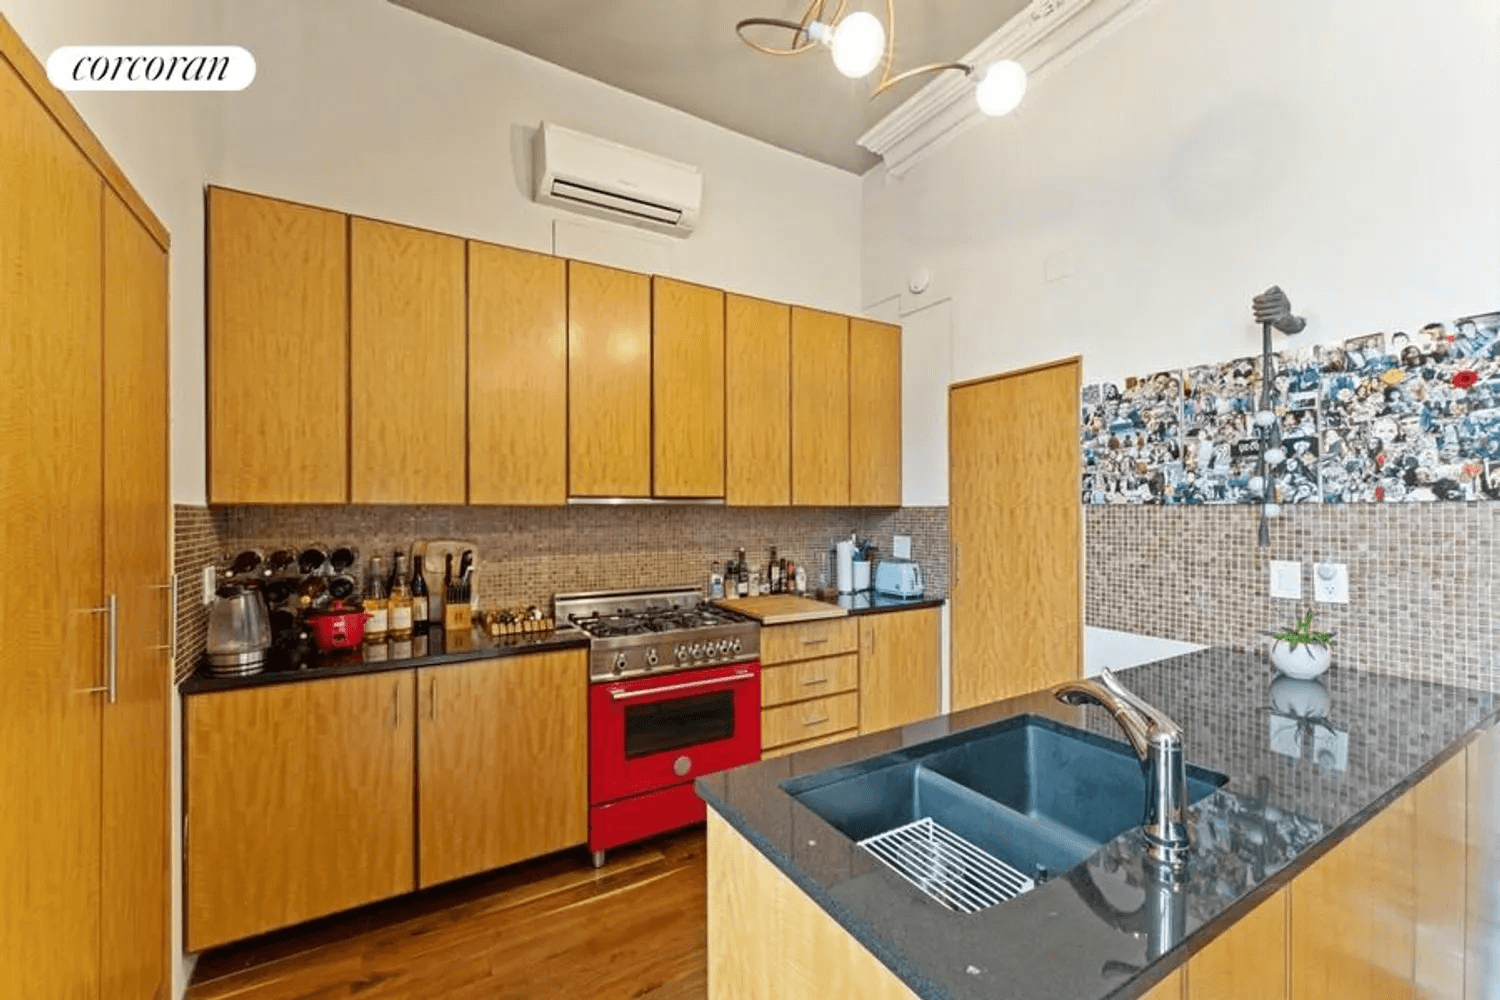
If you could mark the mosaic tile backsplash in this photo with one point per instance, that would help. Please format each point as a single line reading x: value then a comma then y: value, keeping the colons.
x: 1377, y: 419
x: 1424, y: 580
x: 528, y: 554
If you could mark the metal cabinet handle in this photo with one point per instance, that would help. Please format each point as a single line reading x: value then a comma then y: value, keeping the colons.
x: 814, y: 642
x: 396, y: 707
x: 815, y: 680
x: 711, y: 682
x: 815, y: 722
x: 170, y: 646
x: 110, y: 688
x: 432, y: 700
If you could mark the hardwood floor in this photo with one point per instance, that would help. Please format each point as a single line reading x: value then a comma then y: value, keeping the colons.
x: 550, y: 928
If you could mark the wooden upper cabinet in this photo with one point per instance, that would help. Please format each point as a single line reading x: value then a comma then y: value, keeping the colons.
x: 299, y: 802
x: 687, y: 389
x: 502, y: 762
x: 278, y: 327
x: 874, y: 414
x: 758, y: 402
x: 609, y: 382
x: 408, y: 419
x: 820, y: 408
x: 518, y: 377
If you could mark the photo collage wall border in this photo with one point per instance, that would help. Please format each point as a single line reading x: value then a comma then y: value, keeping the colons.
x: 1376, y: 419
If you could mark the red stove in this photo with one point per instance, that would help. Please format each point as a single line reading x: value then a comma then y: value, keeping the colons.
x: 675, y: 694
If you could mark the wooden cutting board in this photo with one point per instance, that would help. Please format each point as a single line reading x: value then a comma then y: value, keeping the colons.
x: 778, y: 609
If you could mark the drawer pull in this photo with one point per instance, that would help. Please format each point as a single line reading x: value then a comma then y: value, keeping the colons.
x: 815, y: 722
x: 814, y: 642
x: 815, y: 680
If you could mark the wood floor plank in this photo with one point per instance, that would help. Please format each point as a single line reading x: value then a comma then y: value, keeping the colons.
x: 634, y: 930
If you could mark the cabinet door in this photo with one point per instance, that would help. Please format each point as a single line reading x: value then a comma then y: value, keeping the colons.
x: 51, y: 484
x: 1440, y: 865
x: 299, y: 802
x: 687, y: 389
x: 1353, y: 914
x: 758, y: 402
x: 609, y: 382
x: 518, y: 377
x: 874, y: 414
x: 900, y: 659
x: 503, y: 768
x: 820, y: 409
x: 278, y: 351
x: 1016, y: 529
x: 1246, y: 962
x: 1482, y: 829
x: 408, y: 418
x: 136, y: 571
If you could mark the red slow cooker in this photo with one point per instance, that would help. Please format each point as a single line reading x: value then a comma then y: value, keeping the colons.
x: 338, y: 627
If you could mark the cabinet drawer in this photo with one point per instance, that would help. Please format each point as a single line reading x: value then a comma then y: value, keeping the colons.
x: 804, y: 640
x: 808, y: 679
x: 821, y: 741
x: 807, y: 720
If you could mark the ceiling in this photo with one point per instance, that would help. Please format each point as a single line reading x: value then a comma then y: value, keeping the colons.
x: 685, y: 54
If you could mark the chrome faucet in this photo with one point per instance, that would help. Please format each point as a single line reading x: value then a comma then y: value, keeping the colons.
x: 1157, y: 740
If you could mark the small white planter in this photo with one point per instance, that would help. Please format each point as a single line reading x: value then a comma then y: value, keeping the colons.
x: 1304, y: 663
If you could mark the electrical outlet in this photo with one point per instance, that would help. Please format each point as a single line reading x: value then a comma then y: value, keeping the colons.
x: 1286, y: 580
x: 210, y: 584
x: 1331, y: 583
x: 901, y: 546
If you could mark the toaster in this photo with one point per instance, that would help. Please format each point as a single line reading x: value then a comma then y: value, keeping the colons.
x: 898, y: 578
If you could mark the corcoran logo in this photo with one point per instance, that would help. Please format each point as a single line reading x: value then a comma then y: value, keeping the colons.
x: 151, y: 67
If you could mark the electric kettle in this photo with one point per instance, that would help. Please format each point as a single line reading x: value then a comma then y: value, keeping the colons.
x: 239, y: 631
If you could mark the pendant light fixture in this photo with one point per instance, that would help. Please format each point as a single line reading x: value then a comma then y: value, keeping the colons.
x: 859, y: 43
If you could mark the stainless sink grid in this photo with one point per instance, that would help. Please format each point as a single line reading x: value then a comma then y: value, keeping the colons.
x: 947, y: 867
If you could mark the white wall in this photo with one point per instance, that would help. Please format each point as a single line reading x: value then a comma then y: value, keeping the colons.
x: 1345, y: 150
x: 377, y: 110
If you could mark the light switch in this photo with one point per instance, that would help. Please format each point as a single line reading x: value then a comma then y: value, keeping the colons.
x: 1331, y: 583
x: 1286, y: 580
x: 901, y: 546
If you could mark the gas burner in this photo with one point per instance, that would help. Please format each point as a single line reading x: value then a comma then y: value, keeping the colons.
x: 635, y: 633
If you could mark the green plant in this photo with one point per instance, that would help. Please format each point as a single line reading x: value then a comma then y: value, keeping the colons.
x: 1302, y: 634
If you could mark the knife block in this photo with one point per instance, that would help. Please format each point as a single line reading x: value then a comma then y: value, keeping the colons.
x: 457, y: 617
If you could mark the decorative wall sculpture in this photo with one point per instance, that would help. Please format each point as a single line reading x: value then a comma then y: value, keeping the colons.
x: 1376, y: 419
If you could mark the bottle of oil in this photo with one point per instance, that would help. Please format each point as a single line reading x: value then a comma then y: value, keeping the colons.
x: 400, y: 602
x: 377, y: 604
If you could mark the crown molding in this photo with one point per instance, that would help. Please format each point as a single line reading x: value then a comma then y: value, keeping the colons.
x: 1040, y: 37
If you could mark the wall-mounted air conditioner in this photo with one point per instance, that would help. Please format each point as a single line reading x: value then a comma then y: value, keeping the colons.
x: 610, y: 181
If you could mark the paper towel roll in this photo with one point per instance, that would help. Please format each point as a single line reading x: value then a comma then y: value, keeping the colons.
x: 861, y: 576
x: 846, y: 567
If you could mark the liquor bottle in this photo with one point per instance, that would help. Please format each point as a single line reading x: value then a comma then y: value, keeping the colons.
x: 421, y: 612
x: 743, y: 584
x: 400, y: 602
x: 773, y: 582
x: 715, y: 582
x: 390, y: 583
x: 376, y: 604
x: 782, y: 574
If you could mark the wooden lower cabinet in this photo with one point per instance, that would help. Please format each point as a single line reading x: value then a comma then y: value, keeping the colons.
x: 502, y: 764
x: 299, y: 802
x: 1246, y: 962
x: 900, y: 659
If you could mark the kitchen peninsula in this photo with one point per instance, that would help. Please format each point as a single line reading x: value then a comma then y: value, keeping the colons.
x: 1338, y: 833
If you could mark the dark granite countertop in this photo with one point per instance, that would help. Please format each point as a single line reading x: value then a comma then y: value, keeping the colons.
x: 434, y: 647
x: 870, y: 603
x: 1105, y: 929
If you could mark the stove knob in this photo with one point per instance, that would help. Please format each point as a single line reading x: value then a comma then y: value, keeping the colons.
x: 697, y: 650
x: 619, y: 662
x: 735, y: 646
x: 681, y: 652
x: 651, y: 657
x: 723, y: 647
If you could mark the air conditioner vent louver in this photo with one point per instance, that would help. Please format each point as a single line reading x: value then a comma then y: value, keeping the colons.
x: 610, y: 181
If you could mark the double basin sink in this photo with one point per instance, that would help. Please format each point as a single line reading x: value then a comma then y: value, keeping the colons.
x: 1037, y: 795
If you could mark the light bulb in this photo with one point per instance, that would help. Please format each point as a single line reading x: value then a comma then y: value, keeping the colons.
x: 1275, y: 456
x: 858, y: 43
x: 1000, y: 90
x: 1265, y: 418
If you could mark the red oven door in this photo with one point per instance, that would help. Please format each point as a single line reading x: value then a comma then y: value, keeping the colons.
x: 655, y: 732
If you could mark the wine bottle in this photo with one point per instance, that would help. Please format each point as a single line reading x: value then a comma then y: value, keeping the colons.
x: 376, y: 604
x: 420, y: 606
x: 743, y: 584
x: 772, y: 580
x: 400, y: 602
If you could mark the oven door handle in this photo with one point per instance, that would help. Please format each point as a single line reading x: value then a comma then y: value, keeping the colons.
x: 648, y: 692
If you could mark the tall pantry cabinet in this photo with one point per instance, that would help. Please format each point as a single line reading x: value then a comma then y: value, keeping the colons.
x: 84, y: 482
